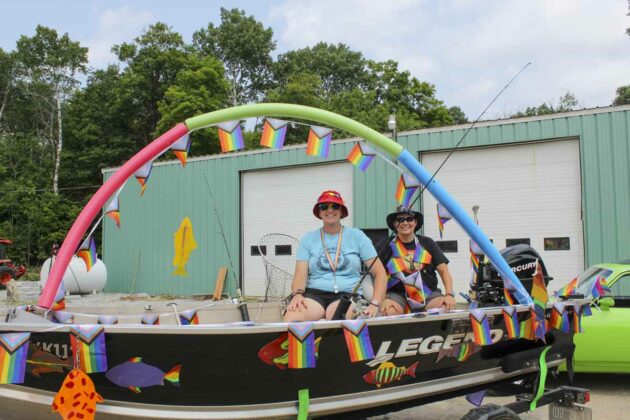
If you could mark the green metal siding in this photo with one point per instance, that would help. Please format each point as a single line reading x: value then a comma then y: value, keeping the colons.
x: 143, y: 247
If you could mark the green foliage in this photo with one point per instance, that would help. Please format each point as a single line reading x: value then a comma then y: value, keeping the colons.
x: 623, y: 96
x: 458, y: 115
x: 567, y: 102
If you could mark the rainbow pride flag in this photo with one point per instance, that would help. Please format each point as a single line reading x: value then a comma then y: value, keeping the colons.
x: 481, y: 327
x: 539, y: 289
x: 358, y: 340
x: 395, y: 265
x: 509, y: 299
x: 274, y: 132
x: 586, y: 310
x: 510, y: 317
x: 407, y: 187
x: 150, y: 319
x: 13, y: 354
x: 422, y: 256
x: 398, y: 248
x: 600, y: 288
x: 443, y: 216
x: 474, y: 267
x: 189, y: 317
x: 361, y: 156
x: 142, y: 175
x: 87, y: 252
x: 88, y: 346
x: 60, y: 298
x: 301, y: 345
x: 62, y: 317
x: 319, y: 139
x: 576, y: 324
x: 466, y: 350
x: 231, y: 136
x: 113, y: 210
x: 568, y: 289
x: 527, y: 328
x: 181, y: 147
x: 108, y: 319
x: 559, y: 319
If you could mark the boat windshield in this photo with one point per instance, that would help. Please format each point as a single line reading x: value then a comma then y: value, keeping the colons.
x: 586, y: 280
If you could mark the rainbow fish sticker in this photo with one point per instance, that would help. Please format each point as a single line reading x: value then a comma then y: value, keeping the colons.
x: 107, y: 319
x: 142, y: 175
x: 62, y: 317
x: 358, y: 340
x: 231, y: 136
x: 189, y: 317
x: 407, y: 187
x: 361, y: 156
x: 150, y: 319
x: 87, y: 252
x: 274, y: 132
x: 600, y: 288
x: 13, y: 354
x: 88, y: 346
x: 113, y: 210
x: 301, y: 345
x: 319, y: 139
x: 568, y: 289
x: 510, y: 317
x: 181, y: 147
x: 443, y: 216
x: 559, y: 318
x: 60, y: 298
x: 481, y: 327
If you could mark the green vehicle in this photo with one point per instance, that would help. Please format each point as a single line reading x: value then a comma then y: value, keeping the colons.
x: 604, y: 346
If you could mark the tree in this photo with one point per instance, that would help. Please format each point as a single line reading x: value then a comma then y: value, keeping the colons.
x: 50, y: 64
x: 623, y: 96
x: 567, y: 102
x: 458, y: 115
x: 7, y: 79
x: 244, y: 46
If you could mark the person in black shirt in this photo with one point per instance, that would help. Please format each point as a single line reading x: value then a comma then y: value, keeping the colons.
x: 408, y: 259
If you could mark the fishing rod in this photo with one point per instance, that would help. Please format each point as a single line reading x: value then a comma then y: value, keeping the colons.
x: 240, y: 303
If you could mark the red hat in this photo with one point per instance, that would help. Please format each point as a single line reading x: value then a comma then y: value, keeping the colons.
x: 330, y: 196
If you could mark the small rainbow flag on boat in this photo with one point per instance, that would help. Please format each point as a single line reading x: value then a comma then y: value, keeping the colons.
x: 600, y: 288
x: 319, y: 139
x: 527, y: 327
x: 481, y: 327
x: 88, y: 346
x: 189, y: 317
x: 301, y: 345
x: 577, y: 319
x: 181, y: 147
x: 62, y: 317
x: 361, y: 156
x: 510, y: 317
x: 113, y: 210
x: 407, y: 187
x: 87, y: 252
x: 274, y: 132
x: 539, y: 289
x: 443, y: 216
x: 474, y: 266
x: 231, y: 136
x: 507, y: 295
x: 358, y: 340
x: 586, y: 310
x: 60, y: 298
x: 559, y: 319
x: 107, y: 319
x: 13, y: 354
x: 568, y: 289
x: 150, y: 319
x: 142, y: 175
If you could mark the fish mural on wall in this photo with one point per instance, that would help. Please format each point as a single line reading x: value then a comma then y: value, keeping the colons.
x: 387, y: 372
x: 135, y: 374
x: 77, y: 397
x: 184, y: 244
x: 276, y: 352
x: 41, y: 361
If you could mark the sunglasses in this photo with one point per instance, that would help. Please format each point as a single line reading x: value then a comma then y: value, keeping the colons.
x: 326, y: 206
x: 407, y: 219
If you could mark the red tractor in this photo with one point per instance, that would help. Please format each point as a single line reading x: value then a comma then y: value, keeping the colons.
x: 8, y: 270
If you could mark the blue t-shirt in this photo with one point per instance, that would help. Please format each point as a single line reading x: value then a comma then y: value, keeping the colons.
x: 355, y: 247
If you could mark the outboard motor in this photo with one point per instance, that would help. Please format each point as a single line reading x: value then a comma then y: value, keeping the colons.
x: 522, y: 260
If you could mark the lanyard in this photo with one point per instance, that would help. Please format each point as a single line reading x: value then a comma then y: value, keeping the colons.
x: 333, y: 266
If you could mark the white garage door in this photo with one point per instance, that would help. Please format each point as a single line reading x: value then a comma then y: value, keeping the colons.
x: 524, y: 192
x: 281, y: 201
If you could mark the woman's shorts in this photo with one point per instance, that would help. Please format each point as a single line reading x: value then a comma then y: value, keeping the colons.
x: 322, y: 297
x: 400, y: 299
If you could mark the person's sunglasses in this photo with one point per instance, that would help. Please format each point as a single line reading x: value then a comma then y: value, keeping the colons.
x: 326, y: 206
x: 407, y: 219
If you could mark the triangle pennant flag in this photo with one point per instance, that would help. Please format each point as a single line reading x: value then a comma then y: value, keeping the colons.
x: 443, y: 216
x: 358, y: 340
x: 301, y: 345
x: 88, y: 347
x: 274, y: 132
x: 319, y: 139
x: 189, y: 317
x: 231, y: 136
x: 87, y: 252
x: 510, y: 317
x: 577, y: 319
x: 107, y: 319
x: 150, y: 319
x: 539, y: 289
x: 143, y: 174
x: 62, y: 317
x: 361, y: 156
x: 559, y: 318
x: 481, y: 327
x: 181, y: 147
x: 13, y: 354
x: 113, y: 210
x: 407, y: 187
x: 60, y: 298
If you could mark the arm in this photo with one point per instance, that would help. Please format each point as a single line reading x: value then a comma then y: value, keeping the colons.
x: 298, y: 286
x: 447, y: 279
x: 380, y: 284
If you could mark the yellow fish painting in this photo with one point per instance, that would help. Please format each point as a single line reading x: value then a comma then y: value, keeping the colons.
x: 185, y: 244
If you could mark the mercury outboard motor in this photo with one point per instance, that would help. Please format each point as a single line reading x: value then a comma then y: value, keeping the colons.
x: 522, y: 260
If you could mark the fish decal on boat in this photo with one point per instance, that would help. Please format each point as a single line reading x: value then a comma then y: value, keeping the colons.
x: 387, y: 372
x: 135, y: 374
x: 41, y: 361
x: 184, y: 244
x: 77, y: 397
x: 276, y: 352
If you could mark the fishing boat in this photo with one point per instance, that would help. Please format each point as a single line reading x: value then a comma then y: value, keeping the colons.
x: 272, y: 369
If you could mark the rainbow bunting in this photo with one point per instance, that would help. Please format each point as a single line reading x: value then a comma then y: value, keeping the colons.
x: 466, y: 350
x: 13, y: 354
x: 273, y: 133
x: 231, y: 136
x: 568, y: 289
x: 538, y: 323
x: 319, y: 139
x: 481, y: 327
x: 113, y: 210
x: 539, y: 290
x: 407, y: 187
x: 358, y: 340
x: 301, y: 345
x: 443, y: 216
x: 527, y: 328
x: 361, y: 156
x: 87, y: 252
x: 189, y: 317
x: 576, y: 325
x: 88, y: 347
x: 510, y: 317
x: 559, y: 318
x: 150, y: 319
x: 107, y: 319
x: 60, y: 298
x: 600, y: 288
x: 507, y: 295
x: 62, y: 317
x: 181, y: 147
x: 143, y: 174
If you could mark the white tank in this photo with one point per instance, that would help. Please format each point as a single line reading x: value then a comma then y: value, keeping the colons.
x: 77, y: 280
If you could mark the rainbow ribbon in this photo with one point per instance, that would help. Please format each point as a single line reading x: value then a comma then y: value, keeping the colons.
x: 189, y: 317
x: 361, y: 156
x: 319, y: 139
x: 301, y: 345
x: 443, y: 216
x: 88, y: 346
x: 274, y: 132
x: 481, y: 327
x: 568, y: 289
x: 407, y: 187
x: 87, y: 252
x: 358, y: 340
x: 395, y: 265
x: 113, y: 210
x: 510, y: 317
x: 231, y: 136
x: 150, y: 319
x: 13, y: 354
x: 143, y: 174
x: 181, y: 147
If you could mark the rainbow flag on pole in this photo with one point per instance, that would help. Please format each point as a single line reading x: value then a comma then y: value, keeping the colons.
x: 481, y: 327
x: 361, y: 156
x: 88, y: 345
x: 301, y: 345
x: 143, y: 174
x: 113, y: 210
x: 13, y: 354
x: 231, y: 136
x: 358, y: 340
x: 319, y: 139
x: 568, y: 289
x: 510, y: 317
x: 600, y: 288
x: 274, y: 132
x: 87, y: 252
x: 407, y: 187
x: 443, y: 216
x: 539, y: 290
x: 181, y: 147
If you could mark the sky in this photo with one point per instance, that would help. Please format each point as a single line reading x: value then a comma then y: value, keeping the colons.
x: 468, y: 49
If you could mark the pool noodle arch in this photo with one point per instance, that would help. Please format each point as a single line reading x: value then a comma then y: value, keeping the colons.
x: 162, y: 143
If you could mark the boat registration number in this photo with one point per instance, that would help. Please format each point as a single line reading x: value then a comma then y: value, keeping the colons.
x: 575, y: 412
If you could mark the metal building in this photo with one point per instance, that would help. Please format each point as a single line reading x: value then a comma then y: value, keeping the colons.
x: 559, y: 182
